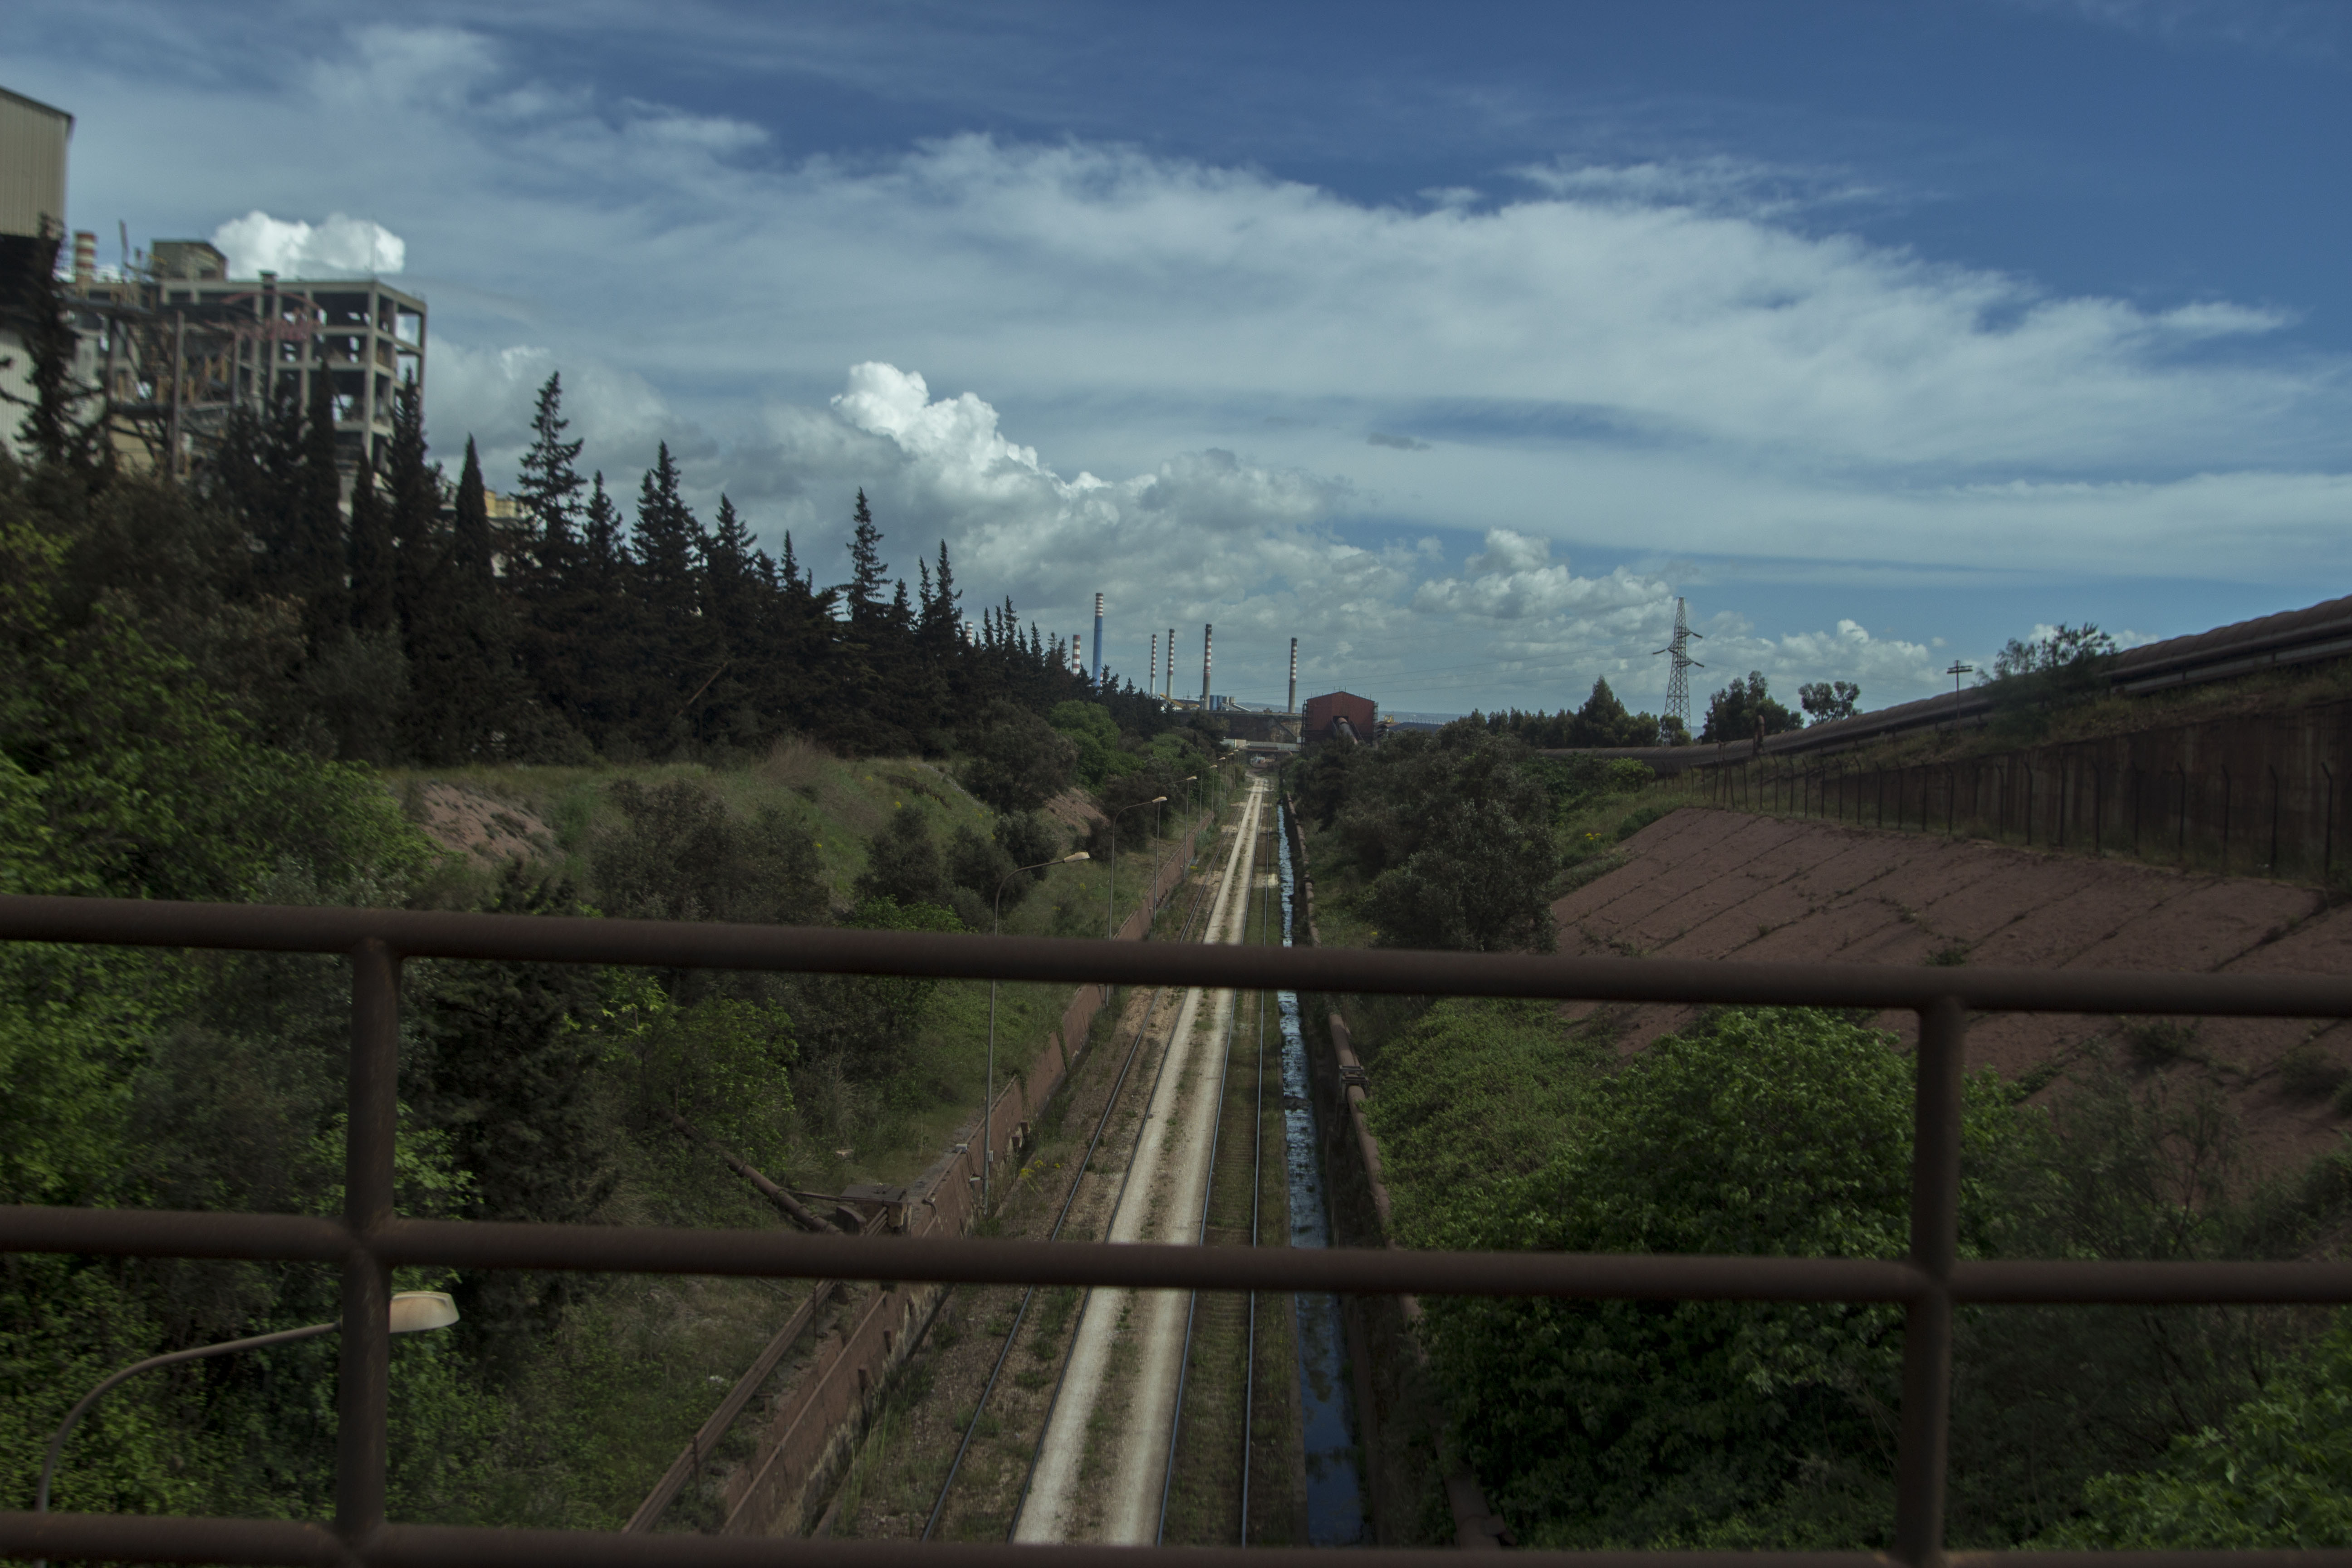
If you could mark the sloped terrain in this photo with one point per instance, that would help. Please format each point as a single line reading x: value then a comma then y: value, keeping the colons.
x: 1703, y: 883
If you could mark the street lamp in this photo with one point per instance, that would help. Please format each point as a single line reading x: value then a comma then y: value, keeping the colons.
x: 412, y: 1311
x: 1188, y: 778
x: 988, y: 1108
x: 1113, y: 917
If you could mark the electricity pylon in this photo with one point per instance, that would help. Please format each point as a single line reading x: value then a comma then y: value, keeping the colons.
x: 1678, y: 679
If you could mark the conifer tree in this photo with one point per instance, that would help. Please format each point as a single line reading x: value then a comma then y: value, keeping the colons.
x: 867, y: 570
x: 315, y: 546
x: 470, y: 541
x: 548, y: 486
x: 374, y: 564
x: 415, y: 494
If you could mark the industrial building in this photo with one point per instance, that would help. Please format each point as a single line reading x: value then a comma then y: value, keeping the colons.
x: 168, y: 345
x: 178, y: 344
x: 32, y: 138
x: 1336, y: 712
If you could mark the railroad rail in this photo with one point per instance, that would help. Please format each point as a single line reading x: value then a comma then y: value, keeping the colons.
x: 1069, y: 1198
x: 369, y: 1238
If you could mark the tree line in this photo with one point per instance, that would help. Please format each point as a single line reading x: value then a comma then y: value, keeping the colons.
x: 377, y: 612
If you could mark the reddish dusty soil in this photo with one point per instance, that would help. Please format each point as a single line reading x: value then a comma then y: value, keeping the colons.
x: 1715, y: 884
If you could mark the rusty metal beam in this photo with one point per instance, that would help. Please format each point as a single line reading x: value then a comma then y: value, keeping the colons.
x: 825, y: 950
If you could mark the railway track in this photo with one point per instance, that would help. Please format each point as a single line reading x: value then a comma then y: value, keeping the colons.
x: 1104, y: 1466
x: 1085, y: 1205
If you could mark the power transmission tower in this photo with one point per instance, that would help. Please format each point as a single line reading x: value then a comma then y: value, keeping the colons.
x: 1678, y: 679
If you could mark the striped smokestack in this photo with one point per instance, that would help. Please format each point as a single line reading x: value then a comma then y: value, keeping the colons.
x: 1207, y: 634
x: 85, y: 259
x: 1167, y: 677
x: 1097, y: 639
x: 1151, y: 676
x: 1293, y: 706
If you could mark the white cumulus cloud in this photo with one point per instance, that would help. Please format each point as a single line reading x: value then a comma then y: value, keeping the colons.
x: 339, y: 246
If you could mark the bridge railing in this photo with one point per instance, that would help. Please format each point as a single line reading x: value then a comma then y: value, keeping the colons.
x: 371, y: 1239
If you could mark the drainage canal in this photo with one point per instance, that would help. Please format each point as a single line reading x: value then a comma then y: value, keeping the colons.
x: 1334, y: 1488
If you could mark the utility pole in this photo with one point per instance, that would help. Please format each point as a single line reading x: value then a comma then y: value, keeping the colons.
x: 1677, y: 704
x: 1957, y: 671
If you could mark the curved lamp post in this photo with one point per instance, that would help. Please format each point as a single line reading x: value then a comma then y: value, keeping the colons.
x: 412, y: 1311
x: 988, y: 1107
x: 1111, y: 926
x: 1188, y: 778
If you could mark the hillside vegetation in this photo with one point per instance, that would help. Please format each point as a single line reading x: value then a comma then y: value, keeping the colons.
x: 154, y: 743
x: 1788, y: 1132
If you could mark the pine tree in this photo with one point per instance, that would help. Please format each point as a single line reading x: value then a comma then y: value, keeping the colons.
x: 867, y: 570
x: 672, y: 655
x: 549, y: 484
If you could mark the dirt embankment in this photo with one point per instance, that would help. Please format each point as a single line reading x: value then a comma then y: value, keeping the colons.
x: 1715, y: 884
x: 464, y: 821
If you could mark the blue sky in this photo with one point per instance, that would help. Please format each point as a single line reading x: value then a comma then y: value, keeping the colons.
x: 1456, y: 342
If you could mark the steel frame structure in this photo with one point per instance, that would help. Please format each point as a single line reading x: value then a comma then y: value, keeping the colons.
x: 371, y: 1239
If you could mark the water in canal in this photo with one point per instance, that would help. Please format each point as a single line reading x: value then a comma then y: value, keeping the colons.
x: 1335, y: 1485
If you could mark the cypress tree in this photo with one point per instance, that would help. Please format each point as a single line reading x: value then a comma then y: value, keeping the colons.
x: 470, y: 541
x: 415, y: 512
x: 374, y: 564
x: 316, y: 546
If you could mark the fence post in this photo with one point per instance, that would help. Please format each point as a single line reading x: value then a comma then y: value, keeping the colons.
x: 2228, y: 794
x: 1922, y: 1452
x: 2274, y: 818
x: 363, y: 1395
x: 2327, y: 839
x: 2098, y: 812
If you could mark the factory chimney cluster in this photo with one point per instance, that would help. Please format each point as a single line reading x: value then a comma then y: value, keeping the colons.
x: 1159, y: 677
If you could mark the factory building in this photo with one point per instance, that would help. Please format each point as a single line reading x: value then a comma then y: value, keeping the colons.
x: 168, y: 345
x: 1326, y: 714
x: 179, y: 343
x: 32, y: 138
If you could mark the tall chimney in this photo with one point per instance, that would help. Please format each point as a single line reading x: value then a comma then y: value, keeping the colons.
x: 1151, y: 679
x: 85, y: 272
x: 1207, y: 634
x: 1167, y: 675
x: 1293, y: 705
x: 1077, y: 653
x: 1097, y: 639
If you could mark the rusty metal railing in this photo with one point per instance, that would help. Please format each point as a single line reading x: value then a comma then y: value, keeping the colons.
x: 371, y: 1239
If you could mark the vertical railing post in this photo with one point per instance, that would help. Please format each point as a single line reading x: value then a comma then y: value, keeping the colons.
x: 363, y: 1397
x: 1920, y: 1459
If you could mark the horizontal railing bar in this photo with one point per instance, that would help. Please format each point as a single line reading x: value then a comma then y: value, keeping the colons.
x: 2115, y: 1282
x: 1366, y: 1272
x: 287, y: 1543
x: 825, y: 950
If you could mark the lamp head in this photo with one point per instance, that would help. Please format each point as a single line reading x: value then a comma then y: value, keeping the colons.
x: 1071, y: 859
x: 414, y: 1311
x: 1156, y: 800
